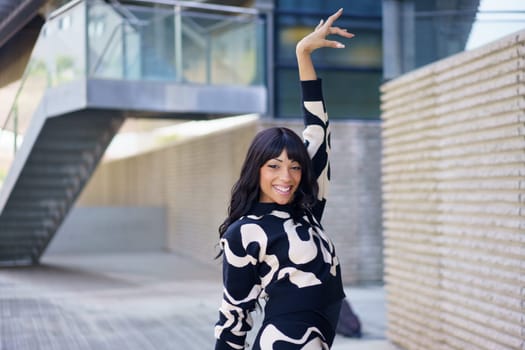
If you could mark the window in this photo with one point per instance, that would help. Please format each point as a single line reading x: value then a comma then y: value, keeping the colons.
x: 354, y: 73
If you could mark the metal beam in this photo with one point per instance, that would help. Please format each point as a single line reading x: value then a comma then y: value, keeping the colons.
x: 18, y: 15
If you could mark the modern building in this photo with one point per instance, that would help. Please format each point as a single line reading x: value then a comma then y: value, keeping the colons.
x: 442, y: 170
x: 122, y: 62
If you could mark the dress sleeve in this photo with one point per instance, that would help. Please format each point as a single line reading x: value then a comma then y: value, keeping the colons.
x: 242, y: 286
x: 316, y: 136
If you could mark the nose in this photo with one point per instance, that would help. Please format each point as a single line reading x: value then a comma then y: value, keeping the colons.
x: 285, y: 174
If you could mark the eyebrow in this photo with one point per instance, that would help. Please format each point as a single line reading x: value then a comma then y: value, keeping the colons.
x: 291, y: 160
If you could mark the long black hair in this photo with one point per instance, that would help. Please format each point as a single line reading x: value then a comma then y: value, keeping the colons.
x: 266, y: 145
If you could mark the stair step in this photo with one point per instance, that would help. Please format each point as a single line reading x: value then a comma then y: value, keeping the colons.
x: 29, y: 214
x: 77, y: 132
x: 15, y: 259
x: 46, y: 204
x: 48, y: 182
x: 25, y: 232
x: 10, y: 209
x: 39, y: 195
x: 86, y: 131
x: 74, y: 131
x: 63, y: 170
x: 84, y: 120
x: 61, y: 157
x: 56, y: 145
x: 21, y: 243
x: 13, y: 224
x: 7, y: 248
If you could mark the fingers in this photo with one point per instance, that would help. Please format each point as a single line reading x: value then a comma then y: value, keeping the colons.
x: 334, y: 44
x: 317, y: 38
x: 333, y: 17
x: 340, y: 31
x: 331, y: 29
x: 320, y: 24
x: 330, y: 20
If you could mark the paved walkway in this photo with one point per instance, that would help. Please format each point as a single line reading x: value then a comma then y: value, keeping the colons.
x: 137, y: 301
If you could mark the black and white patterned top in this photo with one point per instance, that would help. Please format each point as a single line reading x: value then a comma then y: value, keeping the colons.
x: 291, y: 264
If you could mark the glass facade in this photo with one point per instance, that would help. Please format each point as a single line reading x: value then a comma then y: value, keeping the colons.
x: 355, y: 73
x: 419, y: 32
x: 393, y: 37
x: 185, y: 44
x: 166, y: 43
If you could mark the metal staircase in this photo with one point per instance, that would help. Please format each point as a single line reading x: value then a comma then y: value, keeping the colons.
x: 66, y: 133
x: 65, y: 154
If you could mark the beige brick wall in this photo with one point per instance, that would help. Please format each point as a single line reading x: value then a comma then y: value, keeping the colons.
x: 192, y: 179
x: 454, y: 201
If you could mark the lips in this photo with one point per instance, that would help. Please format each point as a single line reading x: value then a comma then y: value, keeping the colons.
x: 283, y: 189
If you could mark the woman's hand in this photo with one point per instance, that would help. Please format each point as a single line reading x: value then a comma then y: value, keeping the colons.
x: 316, y: 40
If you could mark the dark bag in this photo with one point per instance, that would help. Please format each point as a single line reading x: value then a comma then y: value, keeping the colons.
x: 348, y: 324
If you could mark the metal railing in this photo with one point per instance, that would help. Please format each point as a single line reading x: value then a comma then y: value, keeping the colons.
x: 170, y: 41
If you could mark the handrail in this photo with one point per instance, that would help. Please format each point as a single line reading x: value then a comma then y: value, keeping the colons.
x: 203, y: 6
x: 53, y: 15
x: 127, y: 14
x: 104, y: 51
x: 128, y: 18
x: 27, y: 71
x: 124, y: 16
x: 94, y: 68
x: 63, y: 9
x: 14, y: 105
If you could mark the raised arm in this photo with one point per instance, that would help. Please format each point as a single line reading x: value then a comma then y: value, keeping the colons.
x: 316, y: 40
x: 316, y: 134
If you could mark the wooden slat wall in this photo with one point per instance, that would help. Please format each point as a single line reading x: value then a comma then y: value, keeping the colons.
x: 454, y: 201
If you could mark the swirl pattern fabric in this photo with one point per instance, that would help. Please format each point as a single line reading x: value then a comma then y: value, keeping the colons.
x: 290, y: 262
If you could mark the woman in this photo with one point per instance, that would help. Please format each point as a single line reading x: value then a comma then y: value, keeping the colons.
x: 273, y: 243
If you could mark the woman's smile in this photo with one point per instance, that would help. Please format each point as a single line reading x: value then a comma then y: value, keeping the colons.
x: 279, y: 179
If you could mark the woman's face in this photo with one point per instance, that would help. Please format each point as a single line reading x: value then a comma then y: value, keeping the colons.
x: 279, y: 179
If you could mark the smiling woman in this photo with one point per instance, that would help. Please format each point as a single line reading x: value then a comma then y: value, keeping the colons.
x: 280, y: 178
x: 273, y: 242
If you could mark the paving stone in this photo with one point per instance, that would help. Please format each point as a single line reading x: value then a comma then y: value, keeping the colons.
x: 137, y: 301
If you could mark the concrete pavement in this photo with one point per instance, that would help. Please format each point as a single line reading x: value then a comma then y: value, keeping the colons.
x: 134, y: 301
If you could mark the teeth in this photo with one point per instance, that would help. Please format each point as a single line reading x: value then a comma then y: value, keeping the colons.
x: 283, y: 188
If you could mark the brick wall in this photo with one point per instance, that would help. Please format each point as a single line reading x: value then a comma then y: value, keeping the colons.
x: 454, y: 201
x: 193, y: 180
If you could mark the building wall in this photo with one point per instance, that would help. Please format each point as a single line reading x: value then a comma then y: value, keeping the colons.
x: 193, y: 179
x: 454, y: 201
x: 110, y: 230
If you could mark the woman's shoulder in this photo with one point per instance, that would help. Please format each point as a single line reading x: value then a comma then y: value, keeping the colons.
x: 241, y: 235
x: 262, y: 219
x: 245, y: 225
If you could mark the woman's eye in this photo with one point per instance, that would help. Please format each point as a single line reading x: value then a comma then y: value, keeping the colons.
x: 298, y: 168
x: 273, y: 166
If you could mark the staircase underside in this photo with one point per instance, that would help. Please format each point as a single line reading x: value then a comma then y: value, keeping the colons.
x: 62, y: 159
x: 67, y: 137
